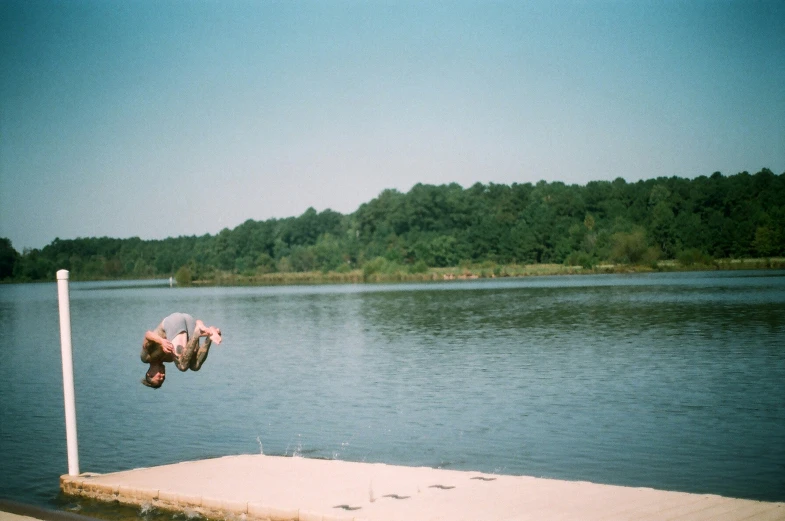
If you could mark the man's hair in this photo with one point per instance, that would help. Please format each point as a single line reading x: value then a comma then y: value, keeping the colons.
x: 149, y: 383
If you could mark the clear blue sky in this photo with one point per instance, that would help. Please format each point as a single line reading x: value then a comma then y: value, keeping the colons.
x: 165, y: 118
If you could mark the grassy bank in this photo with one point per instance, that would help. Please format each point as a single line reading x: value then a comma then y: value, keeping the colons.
x: 397, y: 273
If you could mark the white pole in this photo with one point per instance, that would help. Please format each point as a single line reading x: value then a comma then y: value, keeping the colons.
x: 68, y: 372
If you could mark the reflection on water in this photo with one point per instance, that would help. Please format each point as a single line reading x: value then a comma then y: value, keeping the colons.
x: 665, y: 381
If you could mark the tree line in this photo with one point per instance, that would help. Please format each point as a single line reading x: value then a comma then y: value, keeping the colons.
x: 691, y: 220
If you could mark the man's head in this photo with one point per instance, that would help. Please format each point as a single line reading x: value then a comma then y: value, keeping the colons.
x: 155, y: 375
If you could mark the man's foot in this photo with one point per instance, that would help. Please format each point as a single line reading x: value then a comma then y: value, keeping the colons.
x: 215, y: 334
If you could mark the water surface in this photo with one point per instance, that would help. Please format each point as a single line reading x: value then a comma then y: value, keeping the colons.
x: 672, y: 381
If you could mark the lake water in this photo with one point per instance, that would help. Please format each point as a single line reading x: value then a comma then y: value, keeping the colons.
x: 671, y: 381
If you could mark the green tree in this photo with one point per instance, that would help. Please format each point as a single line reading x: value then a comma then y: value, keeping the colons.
x: 303, y: 258
x: 766, y: 241
x: 629, y: 248
x: 8, y: 258
x: 662, y: 226
x: 265, y: 263
x: 328, y: 254
x: 183, y: 276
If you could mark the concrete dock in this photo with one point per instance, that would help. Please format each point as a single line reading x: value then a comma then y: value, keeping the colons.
x: 281, y: 488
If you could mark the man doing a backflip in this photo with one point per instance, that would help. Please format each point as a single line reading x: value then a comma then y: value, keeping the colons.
x: 176, y: 339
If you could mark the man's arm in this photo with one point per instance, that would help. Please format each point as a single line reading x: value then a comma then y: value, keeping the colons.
x: 157, y: 338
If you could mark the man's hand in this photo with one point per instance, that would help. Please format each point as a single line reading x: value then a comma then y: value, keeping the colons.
x: 166, y: 345
x: 155, y: 338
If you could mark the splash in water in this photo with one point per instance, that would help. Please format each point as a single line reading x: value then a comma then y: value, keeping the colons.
x: 337, y: 453
x: 145, y: 509
x: 298, y: 449
x: 259, y: 441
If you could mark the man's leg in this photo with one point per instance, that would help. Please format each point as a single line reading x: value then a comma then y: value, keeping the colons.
x: 201, y: 355
x: 190, y: 354
x: 194, y: 355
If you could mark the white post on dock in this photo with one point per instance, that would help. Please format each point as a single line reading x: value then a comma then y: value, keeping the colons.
x: 68, y: 372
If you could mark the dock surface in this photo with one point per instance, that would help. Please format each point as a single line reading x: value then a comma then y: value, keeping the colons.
x: 283, y: 488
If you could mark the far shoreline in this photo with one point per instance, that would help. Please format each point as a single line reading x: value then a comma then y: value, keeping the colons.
x: 455, y: 273
x: 476, y: 272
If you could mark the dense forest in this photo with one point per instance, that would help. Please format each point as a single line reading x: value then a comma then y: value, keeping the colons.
x: 646, y: 222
